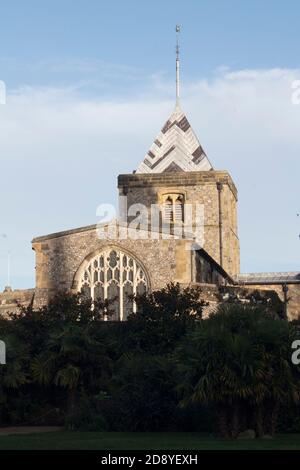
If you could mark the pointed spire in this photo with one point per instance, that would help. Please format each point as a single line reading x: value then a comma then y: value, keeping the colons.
x: 177, y: 64
x: 176, y: 144
x: 176, y: 147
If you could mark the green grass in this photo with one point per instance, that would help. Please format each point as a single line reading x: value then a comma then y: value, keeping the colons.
x: 140, y: 441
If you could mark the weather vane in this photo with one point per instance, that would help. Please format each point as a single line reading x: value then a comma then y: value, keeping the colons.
x: 177, y: 29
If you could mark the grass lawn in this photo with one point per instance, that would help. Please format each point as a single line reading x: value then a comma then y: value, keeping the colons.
x: 140, y: 441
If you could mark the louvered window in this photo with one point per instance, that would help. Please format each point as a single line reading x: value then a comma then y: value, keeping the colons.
x: 168, y: 210
x: 173, y: 208
x: 178, y: 212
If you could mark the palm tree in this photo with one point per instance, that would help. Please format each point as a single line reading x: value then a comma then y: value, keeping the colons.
x: 238, y: 360
x: 14, y: 375
x: 73, y: 355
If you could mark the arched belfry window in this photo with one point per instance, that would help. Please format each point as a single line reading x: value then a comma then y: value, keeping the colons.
x: 178, y: 209
x: 115, y: 275
x: 173, y: 208
x: 168, y: 210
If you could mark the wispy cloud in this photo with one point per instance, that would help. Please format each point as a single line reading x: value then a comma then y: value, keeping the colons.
x: 86, y: 74
x: 61, y: 152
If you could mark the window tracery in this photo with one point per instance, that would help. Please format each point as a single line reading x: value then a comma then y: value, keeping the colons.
x: 114, y: 275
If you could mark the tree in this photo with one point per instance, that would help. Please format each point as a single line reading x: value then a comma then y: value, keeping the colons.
x: 70, y: 351
x: 14, y: 375
x: 267, y: 299
x: 239, y: 361
x: 143, y: 393
x: 163, y: 317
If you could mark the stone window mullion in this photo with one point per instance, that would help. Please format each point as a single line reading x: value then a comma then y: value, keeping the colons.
x: 112, y: 260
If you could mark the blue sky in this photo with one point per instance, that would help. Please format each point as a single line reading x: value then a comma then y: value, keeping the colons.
x: 138, y: 34
x: 40, y: 39
x: 89, y: 84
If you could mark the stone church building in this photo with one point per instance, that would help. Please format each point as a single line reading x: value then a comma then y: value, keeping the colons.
x: 130, y: 256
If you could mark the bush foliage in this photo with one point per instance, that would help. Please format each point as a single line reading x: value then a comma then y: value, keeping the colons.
x: 164, y: 369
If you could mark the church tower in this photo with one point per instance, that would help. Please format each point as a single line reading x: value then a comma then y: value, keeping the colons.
x: 176, y: 173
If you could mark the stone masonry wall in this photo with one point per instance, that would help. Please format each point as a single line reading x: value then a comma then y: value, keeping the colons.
x: 59, y: 256
x: 10, y: 299
x: 293, y: 309
x: 198, y: 188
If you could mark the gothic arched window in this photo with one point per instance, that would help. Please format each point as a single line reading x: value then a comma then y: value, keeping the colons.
x: 114, y: 275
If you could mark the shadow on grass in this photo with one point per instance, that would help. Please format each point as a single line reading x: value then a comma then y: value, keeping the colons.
x: 141, y: 441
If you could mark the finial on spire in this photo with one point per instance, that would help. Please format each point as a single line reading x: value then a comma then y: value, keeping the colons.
x: 177, y: 29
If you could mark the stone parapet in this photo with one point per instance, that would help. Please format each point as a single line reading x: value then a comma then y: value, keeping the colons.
x: 137, y: 180
x: 11, y: 299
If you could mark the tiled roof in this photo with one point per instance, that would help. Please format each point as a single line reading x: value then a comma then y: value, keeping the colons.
x: 267, y: 278
x: 176, y: 148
